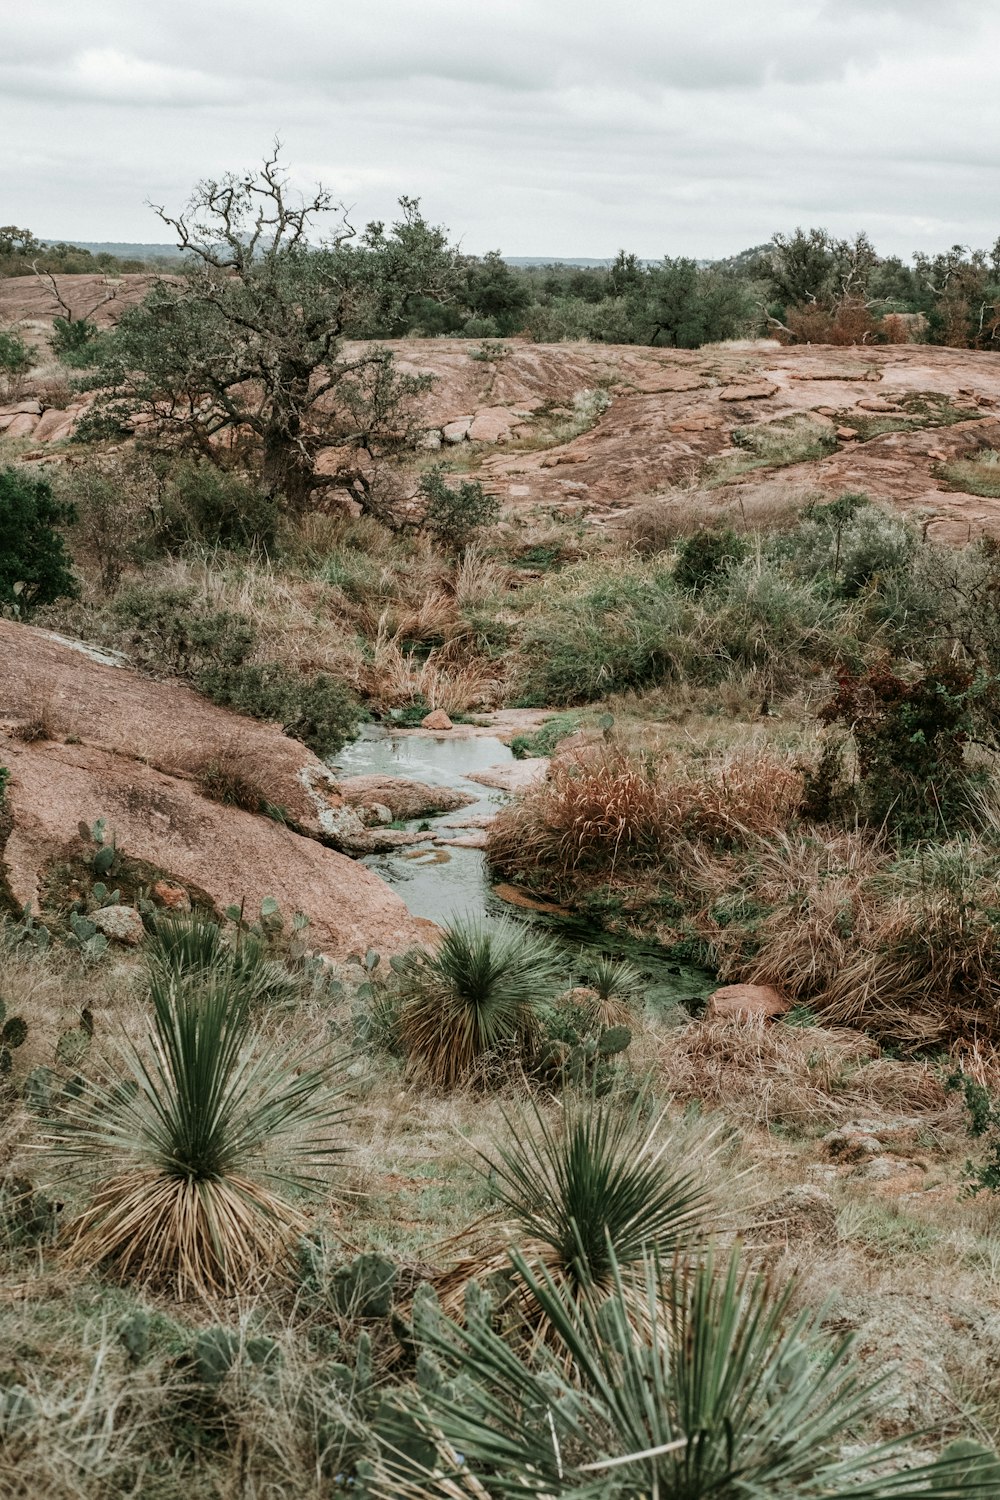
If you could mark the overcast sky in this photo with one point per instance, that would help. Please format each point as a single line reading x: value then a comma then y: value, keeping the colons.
x: 541, y: 127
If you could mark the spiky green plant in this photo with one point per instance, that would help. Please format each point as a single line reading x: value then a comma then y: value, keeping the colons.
x: 593, y: 1193
x: 619, y: 987
x: 194, y: 949
x: 474, y: 1001
x: 720, y: 1393
x: 205, y: 1132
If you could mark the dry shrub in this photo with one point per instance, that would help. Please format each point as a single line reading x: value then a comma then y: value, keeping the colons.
x: 923, y: 972
x: 750, y: 793
x: 605, y: 808
x: 894, y: 329
x: 448, y: 677
x: 611, y: 808
x: 45, y: 723
x: 766, y: 1074
x: 908, y: 952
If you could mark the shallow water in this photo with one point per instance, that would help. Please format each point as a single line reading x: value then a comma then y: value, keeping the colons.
x: 444, y: 883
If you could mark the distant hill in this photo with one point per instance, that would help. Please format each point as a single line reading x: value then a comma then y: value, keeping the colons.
x: 121, y: 249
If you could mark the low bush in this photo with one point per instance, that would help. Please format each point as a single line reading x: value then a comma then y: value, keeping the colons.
x: 701, y: 558
x: 605, y: 638
x: 910, y: 733
x: 210, y: 506
x: 454, y: 513
x: 171, y: 629
x: 979, y: 475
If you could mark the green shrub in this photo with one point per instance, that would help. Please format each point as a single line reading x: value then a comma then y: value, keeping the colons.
x: 544, y: 740
x: 702, y: 557
x: 74, y: 341
x: 35, y: 567
x: 320, y: 712
x: 202, y: 503
x: 624, y: 633
x: 454, y: 513
x: 910, y: 733
x: 758, y: 617
x: 15, y: 356
x: 170, y: 629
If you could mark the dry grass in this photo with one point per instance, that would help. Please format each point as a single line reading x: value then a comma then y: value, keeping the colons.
x: 612, y: 808
x: 659, y: 522
x: 764, y: 1074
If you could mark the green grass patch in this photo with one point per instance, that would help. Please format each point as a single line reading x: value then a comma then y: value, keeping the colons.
x: 973, y: 476
x: 920, y: 409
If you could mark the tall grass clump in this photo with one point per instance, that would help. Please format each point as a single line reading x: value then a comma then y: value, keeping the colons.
x: 473, y: 1004
x: 205, y: 1132
x: 720, y: 1391
x: 595, y: 812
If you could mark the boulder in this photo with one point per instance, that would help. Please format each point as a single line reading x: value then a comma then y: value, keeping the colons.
x: 19, y: 426
x: 436, y: 719
x: 170, y: 831
x: 167, y: 725
x: 402, y: 797
x: 120, y: 924
x: 493, y: 424
x: 170, y: 897
x: 54, y: 425
x: 457, y: 430
x: 746, y: 1001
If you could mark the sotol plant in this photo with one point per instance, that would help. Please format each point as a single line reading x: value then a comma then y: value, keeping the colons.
x: 205, y: 1131
x: 475, y: 1000
x: 592, y: 1194
x: 720, y: 1392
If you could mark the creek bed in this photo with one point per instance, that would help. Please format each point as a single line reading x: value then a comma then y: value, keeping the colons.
x: 442, y: 883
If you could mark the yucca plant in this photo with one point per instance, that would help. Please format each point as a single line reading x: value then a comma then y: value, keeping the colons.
x: 194, y: 949
x: 473, y: 1003
x: 719, y: 1393
x: 205, y: 1132
x: 592, y: 1194
x: 619, y: 987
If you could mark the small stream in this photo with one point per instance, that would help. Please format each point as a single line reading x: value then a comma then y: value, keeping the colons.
x: 442, y: 883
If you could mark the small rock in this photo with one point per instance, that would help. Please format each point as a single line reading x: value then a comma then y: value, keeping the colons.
x: 120, y: 924
x: 746, y: 1000
x: 476, y: 840
x: 846, y: 434
x: 431, y: 440
x: 172, y: 897
x: 800, y: 1212
x: 436, y: 719
x: 852, y: 1143
x: 379, y: 813
x: 878, y: 404
x: 758, y: 391
x: 403, y: 797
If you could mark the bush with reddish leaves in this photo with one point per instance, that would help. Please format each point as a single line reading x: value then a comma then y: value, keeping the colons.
x: 910, y: 735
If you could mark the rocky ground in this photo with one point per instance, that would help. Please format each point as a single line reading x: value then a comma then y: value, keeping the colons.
x: 594, y: 428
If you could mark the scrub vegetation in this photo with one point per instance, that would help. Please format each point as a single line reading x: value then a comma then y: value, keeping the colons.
x: 491, y: 1218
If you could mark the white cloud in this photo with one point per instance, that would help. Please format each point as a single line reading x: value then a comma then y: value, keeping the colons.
x: 536, y: 125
